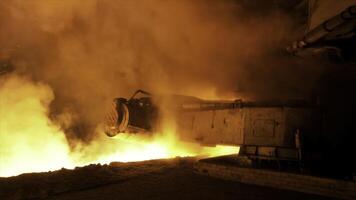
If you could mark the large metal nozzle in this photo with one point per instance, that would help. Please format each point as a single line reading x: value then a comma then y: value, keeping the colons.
x: 117, y: 119
x: 130, y: 116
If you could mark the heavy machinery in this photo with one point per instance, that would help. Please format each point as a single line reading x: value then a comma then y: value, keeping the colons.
x: 321, y: 135
x: 264, y: 130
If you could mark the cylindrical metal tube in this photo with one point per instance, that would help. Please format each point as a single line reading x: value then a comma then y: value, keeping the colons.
x: 346, y: 16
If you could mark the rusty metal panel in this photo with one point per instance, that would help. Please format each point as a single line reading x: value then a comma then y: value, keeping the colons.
x: 203, y: 126
x: 195, y: 126
x: 264, y: 126
x: 261, y: 126
x: 212, y: 127
x: 228, y: 126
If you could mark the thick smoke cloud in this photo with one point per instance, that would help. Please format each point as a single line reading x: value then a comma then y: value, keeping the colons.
x: 92, y: 51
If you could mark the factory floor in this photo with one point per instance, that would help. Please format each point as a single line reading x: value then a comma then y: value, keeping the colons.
x: 159, y: 179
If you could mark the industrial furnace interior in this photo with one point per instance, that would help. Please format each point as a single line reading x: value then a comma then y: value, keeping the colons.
x: 102, y: 96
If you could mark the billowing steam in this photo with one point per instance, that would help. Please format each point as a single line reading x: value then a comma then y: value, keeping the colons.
x: 29, y: 140
x: 91, y: 52
x: 88, y: 52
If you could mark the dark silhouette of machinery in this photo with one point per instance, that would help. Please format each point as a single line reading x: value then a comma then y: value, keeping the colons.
x: 264, y: 130
x: 318, y: 135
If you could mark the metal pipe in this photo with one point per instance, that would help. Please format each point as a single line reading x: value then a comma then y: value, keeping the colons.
x: 346, y: 16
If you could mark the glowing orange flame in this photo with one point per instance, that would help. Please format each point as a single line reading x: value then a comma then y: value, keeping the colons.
x: 31, y: 142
